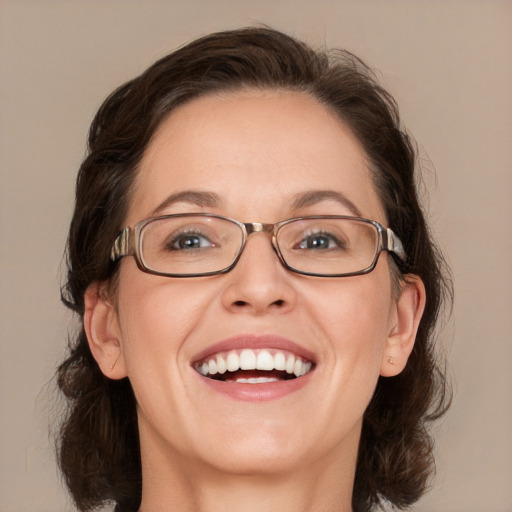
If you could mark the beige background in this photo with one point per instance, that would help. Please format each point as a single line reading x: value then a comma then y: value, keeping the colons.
x: 449, y: 65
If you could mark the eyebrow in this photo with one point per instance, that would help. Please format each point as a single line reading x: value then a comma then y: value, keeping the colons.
x: 299, y: 201
x: 206, y: 199
x: 313, y: 197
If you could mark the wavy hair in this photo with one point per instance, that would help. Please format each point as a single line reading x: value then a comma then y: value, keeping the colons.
x: 97, y: 444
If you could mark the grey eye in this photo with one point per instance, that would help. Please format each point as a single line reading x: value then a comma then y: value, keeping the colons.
x: 321, y: 241
x: 190, y: 240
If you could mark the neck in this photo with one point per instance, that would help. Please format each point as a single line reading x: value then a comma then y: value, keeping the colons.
x: 174, y: 482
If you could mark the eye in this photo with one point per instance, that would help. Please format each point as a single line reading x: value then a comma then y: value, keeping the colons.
x: 321, y: 241
x: 188, y: 240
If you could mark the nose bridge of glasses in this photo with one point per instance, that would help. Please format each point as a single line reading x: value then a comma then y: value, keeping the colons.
x: 258, y: 227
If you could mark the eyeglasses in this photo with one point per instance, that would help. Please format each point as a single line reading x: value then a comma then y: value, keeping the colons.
x: 192, y: 245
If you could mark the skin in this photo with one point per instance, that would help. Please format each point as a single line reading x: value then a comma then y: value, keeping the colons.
x: 203, y: 451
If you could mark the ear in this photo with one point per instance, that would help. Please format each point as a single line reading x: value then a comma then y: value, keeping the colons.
x: 103, y: 333
x: 405, y: 320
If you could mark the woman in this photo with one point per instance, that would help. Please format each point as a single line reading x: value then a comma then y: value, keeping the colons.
x: 257, y: 290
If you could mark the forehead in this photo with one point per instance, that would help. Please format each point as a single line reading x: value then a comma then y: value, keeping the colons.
x: 256, y: 151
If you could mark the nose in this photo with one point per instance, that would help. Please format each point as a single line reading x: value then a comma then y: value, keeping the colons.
x: 259, y: 283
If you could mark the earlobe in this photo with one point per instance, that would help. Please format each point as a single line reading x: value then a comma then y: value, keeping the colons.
x: 103, y: 333
x: 409, y: 309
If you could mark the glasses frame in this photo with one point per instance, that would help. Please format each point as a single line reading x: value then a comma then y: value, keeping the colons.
x: 129, y: 243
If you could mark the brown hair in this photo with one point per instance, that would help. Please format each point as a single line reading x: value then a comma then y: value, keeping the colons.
x: 98, y: 447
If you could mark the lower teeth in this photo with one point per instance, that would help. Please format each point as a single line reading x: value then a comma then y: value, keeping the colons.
x: 254, y: 380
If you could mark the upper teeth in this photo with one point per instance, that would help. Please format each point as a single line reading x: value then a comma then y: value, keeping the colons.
x: 249, y: 359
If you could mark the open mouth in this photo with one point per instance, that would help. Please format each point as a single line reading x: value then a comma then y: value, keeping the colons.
x: 254, y: 366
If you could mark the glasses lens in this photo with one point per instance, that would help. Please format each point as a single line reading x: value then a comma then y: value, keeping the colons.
x: 328, y: 246
x: 193, y: 244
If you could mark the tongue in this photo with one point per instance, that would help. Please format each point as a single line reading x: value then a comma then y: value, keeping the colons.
x: 254, y: 374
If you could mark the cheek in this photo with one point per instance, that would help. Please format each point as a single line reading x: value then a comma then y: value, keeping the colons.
x: 156, y: 316
x: 356, y: 319
x: 352, y: 317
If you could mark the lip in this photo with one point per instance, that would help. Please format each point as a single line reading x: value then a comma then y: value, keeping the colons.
x: 261, y: 392
x: 255, y: 342
x: 256, y: 392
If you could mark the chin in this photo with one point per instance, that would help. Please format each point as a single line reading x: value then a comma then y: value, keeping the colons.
x: 255, y: 461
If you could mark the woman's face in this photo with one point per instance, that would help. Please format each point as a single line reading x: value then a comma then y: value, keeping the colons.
x: 255, y: 153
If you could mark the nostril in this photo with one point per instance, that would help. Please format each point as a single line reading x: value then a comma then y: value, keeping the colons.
x: 243, y: 303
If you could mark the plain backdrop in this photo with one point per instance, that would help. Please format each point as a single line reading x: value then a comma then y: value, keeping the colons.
x: 448, y: 63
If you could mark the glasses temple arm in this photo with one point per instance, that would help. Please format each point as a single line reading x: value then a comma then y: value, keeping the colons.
x: 394, y: 244
x: 122, y: 245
